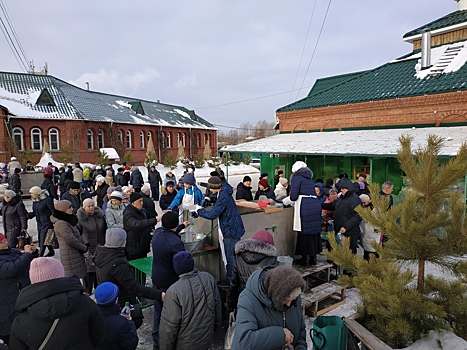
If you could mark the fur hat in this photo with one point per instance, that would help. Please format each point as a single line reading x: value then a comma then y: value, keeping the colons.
x: 279, y: 284
x: 87, y: 201
x: 364, y: 198
x: 35, y: 190
x: 263, y: 236
x: 45, y: 269
x: 214, y: 182
x: 189, y: 179
x: 116, y: 195
x: 264, y: 183
x: 170, y: 183
x: 125, y: 189
x: 10, y: 193
x: 170, y: 220
x: 246, y: 178
x: 106, y: 293
x: 115, y: 237
x: 283, y: 181
x: 100, y: 178
x: 183, y: 262
x: 134, y: 196
x: 298, y: 165
x: 62, y: 205
x: 145, y: 188
x: 74, y: 185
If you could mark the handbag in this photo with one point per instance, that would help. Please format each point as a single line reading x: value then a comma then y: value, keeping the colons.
x: 230, y: 332
x: 329, y: 333
x: 51, y: 239
x: 23, y: 239
x: 49, y: 334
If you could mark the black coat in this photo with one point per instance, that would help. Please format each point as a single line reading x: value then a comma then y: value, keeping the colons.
x: 93, y: 228
x: 154, y: 178
x: 15, y: 218
x: 244, y: 192
x: 112, y: 266
x: 121, y: 333
x: 42, y: 210
x: 48, y: 185
x: 166, y: 199
x: 120, y: 180
x: 138, y: 230
x: 136, y: 179
x: 148, y: 205
x: 76, y: 201
x: 65, y: 179
x: 100, y: 192
x: 81, y: 324
x: 14, y: 274
x: 15, y: 183
x: 268, y: 192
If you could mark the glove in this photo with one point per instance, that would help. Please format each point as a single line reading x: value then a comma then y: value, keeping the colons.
x: 194, y: 215
x: 287, y: 201
x: 84, y: 251
x: 197, y: 207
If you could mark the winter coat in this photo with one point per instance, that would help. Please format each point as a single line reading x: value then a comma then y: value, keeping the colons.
x: 15, y: 183
x: 369, y: 236
x: 310, y: 208
x: 121, y: 333
x: 112, y: 266
x: 48, y: 185
x: 138, y: 230
x: 64, y: 180
x: 86, y: 174
x: 42, y: 209
x: 165, y: 244
x: 136, y: 179
x: 120, y: 180
x: 194, y: 190
x: 226, y: 210
x: 244, y: 192
x: 250, y: 255
x: 166, y: 199
x: 344, y: 211
x: 154, y: 178
x: 71, y: 243
x: 81, y: 324
x: 259, y: 325
x: 93, y: 228
x: 13, y: 165
x: 280, y: 191
x: 101, y: 193
x: 322, y: 197
x: 78, y: 175
x: 192, y: 309
x: 15, y: 218
x: 148, y: 205
x: 114, y: 215
x: 170, y: 178
x: 268, y: 192
x: 76, y: 201
x: 14, y: 275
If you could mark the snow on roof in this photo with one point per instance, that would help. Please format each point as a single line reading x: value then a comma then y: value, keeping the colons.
x: 110, y: 152
x: 382, y: 142
x: 46, y: 158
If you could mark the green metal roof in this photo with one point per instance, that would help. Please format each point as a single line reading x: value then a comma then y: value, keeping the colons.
x: 329, y: 82
x: 451, y: 19
x: 19, y: 93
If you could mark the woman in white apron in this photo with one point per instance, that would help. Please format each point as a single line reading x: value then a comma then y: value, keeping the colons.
x: 187, y: 198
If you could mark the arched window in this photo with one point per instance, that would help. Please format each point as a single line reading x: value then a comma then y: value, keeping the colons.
x: 162, y: 139
x: 169, y: 141
x: 36, y: 139
x: 205, y: 139
x: 120, y: 136
x: 128, y: 139
x: 183, y: 139
x: 150, y: 136
x: 18, y: 136
x: 100, y: 139
x: 209, y: 140
x: 198, y: 139
x: 54, y: 141
x: 90, y: 139
x: 178, y: 139
x: 141, y: 138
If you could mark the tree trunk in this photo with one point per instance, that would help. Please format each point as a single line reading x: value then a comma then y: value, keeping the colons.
x: 421, y: 276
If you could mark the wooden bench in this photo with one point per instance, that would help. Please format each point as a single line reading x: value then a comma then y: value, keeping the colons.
x: 312, y: 297
x: 307, y: 271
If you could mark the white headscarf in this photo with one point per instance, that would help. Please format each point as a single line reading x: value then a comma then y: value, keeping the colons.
x: 298, y: 165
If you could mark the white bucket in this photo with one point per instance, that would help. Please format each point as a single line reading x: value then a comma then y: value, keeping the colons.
x: 284, y: 260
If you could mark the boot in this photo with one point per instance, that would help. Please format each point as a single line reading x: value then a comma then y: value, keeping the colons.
x: 51, y: 251
x: 42, y: 250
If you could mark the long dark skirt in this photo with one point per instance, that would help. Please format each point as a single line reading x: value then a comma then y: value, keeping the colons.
x: 308, y: 245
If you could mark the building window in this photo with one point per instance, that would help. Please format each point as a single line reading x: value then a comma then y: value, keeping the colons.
x: 90, y: 139
x: 18, y: 136
x: 100, y: 139
x: 183, y: 139
x: 128, y: 139
x: 36, y: 139
x: 150, y: 136
x: 54, y: 140
x: 209, y: 140
x: 162, y: 139
x: 120, y: 136
x: 178, y: 139
x: 169, y: 141
x: 141, y: 138
x: 198, y: 140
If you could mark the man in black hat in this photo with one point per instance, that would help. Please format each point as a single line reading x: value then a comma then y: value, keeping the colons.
x: 120, y: 179
x: 155, y: 181
x: 15, y: 181
x: 244, y: 189
x: 76, y: 195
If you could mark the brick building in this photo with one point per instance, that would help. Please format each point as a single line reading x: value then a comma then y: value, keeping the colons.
x: 35, y: 107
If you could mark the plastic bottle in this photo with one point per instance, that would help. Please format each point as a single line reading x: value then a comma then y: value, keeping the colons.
x: 340, y: 236
x: 191, y: 232
x: 126, y: 311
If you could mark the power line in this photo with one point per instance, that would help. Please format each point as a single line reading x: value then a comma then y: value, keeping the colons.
x: 10, y: 23
x: 12, y: 45
x: 316, y: 45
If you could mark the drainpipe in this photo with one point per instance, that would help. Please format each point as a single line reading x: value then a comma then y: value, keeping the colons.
x: 191, y: 155
x: 159, y: 144
x: 426, y: 49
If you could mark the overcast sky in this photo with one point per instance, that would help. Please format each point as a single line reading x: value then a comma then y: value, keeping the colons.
x: 207, y: 55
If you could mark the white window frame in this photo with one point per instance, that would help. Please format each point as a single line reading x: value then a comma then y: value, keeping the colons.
x: 100, y: 139
x: 128, y: 139
x: 90, y: 139
x: 141, y: 138
x: 36, y: 137
x: 18, y: 132
x: 169, y: 139
x: 54, y: 132
x: 183, y: 139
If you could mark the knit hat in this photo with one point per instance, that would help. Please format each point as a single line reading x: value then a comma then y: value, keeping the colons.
x: 189, y: 179
x: 214, y: 182
x: 120, y: 169
x: 125, y: 189
x: 246, y: 178
x: 100, y: 178
x: 35, y: 190
x: 213, y: 173
x: 106, y: 293
x: 74, y: 185
x: 298, y: 165
x: 170, y: 220
x: 183, y: 262
x: 115, y: 237
x: 279, y: 172
x: 145, y: 188
x: 62, y: 205
x: 2, y: 237
x: 364, y: 198
x: 87, y: 201
x: 264, y: 175
x: 10, y: 193
x: 125, y: 195
x: 170, y: 183
x: 48, y: 171
x: 111, y: 189
x: 17, y: 170
x: 45, y: 269
x: 263, y: 236
x: 263, y: 182
x: 280, y: 283
x: 283, y: 180
x: 134, y: 196
x: 13, y: 158
x: 116, y: 195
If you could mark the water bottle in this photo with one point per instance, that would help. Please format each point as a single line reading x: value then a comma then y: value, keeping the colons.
x: 126, y: 312
x: 340, y: 236
x: 191, y: 232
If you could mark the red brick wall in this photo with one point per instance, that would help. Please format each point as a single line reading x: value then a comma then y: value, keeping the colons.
x: 411, y: 111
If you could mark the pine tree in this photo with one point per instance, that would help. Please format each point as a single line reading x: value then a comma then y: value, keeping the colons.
x: 429, y: 226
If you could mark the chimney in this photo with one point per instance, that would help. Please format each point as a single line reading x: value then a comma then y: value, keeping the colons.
x: 87, y: 85
x: 426, y: 48
x: 461, y: 5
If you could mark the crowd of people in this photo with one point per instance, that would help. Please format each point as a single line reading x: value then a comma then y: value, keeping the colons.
x: 102, y: 221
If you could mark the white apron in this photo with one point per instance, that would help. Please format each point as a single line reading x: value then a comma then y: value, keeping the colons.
x: 297, y: 220
x: 188, y: 202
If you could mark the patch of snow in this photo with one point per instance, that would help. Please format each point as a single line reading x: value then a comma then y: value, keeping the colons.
x: 110, y: 152
x: 139, y: 120
x: 182, y: 113
x: 45, y: 159
x: 436, y: 341
x: 123, y: 104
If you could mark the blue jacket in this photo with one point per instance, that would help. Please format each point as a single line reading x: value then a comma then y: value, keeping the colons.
x: 310, y: 210
x: 194, y: 190
x: 322, y: 197
x: 121, y: 333
x: 136, y: 179
x: 226, y: 210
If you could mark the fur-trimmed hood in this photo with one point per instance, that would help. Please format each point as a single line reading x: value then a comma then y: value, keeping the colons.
x: 254, y: 246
